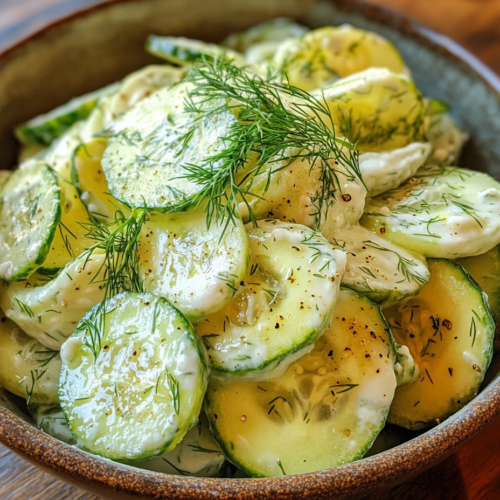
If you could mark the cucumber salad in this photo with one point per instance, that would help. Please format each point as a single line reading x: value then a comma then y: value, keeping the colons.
x: 247, y: 259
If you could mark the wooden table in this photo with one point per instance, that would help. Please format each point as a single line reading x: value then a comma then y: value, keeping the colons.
x: 473, y: 472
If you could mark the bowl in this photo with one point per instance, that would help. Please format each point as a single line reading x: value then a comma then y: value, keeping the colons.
x: 102, y: 44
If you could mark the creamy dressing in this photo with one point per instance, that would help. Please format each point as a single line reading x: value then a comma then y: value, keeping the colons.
x: 387, y: 170
x: 55, y: 308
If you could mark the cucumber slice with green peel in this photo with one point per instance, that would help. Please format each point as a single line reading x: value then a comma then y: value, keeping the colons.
x: 378, y: 269
x: 292, y: 189
x: 46, y: 128
x: 444, y: 135
x: 70, y: 237
x: 384, y: 171
x: 50, y: 310
x: 134, y: 88
x: 446, y: 212
x: 51, y: 419
x: 180, y: 50
x: 30, y: 212
x: 324, y: 55
x: 59, y: 154
x: 285, y: 303
x: 485, y: 270
x: 27, y: 368
x: 145, y: 160
x: 376, y: 109
x: 133, y: 378
x: 89, y: 180
x: 198, y: 454
x: 449, y: 331
x: 198, y: 270
x: 326, y: 410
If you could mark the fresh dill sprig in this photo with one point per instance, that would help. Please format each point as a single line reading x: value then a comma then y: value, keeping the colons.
x: 174, y: 388
x: 120, y: 270
x: 65, y: 237
x: 200, y: 449
x: 36, y: 375
x: 276, y: 123
x: 25, y: 308
x: 45, y: 356
x: 119, y: 241
x: 345, y: 387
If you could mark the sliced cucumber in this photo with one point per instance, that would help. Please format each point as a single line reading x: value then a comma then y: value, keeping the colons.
x: 60, y: 153
x: 50, y: 310
x: 388, y: 170
x: 378, y: 269
x: 285, y: 303
x: 292, y: 189
x: 326, y: 410
x: 324, y: 55
x: 198, y: 454
x: 89, y: 180
x: 46, y: 128
x: 377, y: 109
x: 51, y: 419
x: 449, y: 331
x: 442, y: 132
x: 27, y: 368
x: 134, y: 88
x: 153, y: 142
x: 260, y: 42
x: 274, y: 30
x: 180, y: 50
x: 197, y: 269
x: 29, y: 214
x: 485, y: 270
x: 70, y: 237
x: 442, y: 211
x: 133, y: 378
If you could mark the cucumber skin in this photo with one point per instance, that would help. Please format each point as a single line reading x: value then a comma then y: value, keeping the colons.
x: 28, y: 270
x: 45, y: 133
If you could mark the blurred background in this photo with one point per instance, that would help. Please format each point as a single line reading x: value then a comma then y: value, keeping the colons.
x: 473, y: 23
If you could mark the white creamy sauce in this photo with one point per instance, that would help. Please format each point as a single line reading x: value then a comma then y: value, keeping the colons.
x: 387, y: 170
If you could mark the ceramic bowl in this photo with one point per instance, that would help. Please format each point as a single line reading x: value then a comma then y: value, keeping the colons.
x: 102, y: 44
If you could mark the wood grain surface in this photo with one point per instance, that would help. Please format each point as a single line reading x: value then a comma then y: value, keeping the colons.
x: 473, y: 472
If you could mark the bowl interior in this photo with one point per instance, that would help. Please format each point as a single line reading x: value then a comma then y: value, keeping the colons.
x: 106, y: 43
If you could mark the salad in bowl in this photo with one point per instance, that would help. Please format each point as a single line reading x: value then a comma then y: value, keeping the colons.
x: 248, y: 259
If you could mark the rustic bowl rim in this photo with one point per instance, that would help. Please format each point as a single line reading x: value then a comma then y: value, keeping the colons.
x: 390, y: 467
